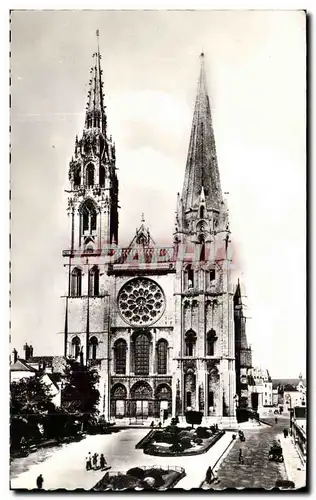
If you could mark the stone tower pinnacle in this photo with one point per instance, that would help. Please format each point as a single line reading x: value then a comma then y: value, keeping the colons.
x: 201, y: 168
x: 95, y: 110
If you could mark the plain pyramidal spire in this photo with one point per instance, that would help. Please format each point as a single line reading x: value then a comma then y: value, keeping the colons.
x: 202, y: 168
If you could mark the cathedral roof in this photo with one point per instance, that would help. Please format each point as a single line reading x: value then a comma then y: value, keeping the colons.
x: 202, y: 168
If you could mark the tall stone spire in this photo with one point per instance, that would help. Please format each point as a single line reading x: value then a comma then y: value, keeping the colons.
x: 95, y: 110
x: 201, y: 168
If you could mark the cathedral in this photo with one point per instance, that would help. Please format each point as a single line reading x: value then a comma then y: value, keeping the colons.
x: 164, y: 326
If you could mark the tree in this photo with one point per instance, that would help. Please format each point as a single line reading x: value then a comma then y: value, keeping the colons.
x: 194, y: 417
x: 30, y: 404
x: 80, y: 396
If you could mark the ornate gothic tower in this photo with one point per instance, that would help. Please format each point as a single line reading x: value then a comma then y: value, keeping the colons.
x: 93, y: 227
x: 204, y: 328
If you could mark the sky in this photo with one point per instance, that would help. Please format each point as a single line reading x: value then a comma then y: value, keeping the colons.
x: 255, y: 64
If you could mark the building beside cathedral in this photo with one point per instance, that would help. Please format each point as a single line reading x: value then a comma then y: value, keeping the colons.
x: 164, y: 325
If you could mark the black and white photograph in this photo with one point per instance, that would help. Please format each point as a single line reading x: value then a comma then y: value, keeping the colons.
x: 158, y: 250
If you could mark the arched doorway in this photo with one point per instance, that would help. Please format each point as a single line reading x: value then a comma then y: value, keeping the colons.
x: 118, y: 401
x: 141, y: 400
x: 163, y: 399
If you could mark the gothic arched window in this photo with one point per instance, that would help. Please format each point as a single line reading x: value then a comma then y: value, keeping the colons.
x: 190, y: 274
x: 202, y: 212
x: 120, y: 348
x: 210, y: 342
x: 94, y: 275
x: 141, y: 351
x: 75, y: 345
x: 102, y: 175
x: 90, y: 175
x: 77, y: 177
x: 162, y: 356
x: 89, y: 217
x: 93, y: 345
x: 190, y: 340
x: 75, y: 285
x: 202, y: 243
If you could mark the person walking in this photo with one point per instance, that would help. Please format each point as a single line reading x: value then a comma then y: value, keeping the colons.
x: 285, y: 433
x: 95, y: 461
x: 240, y: 457
x: 102, y: 462
x: 39, y: 482
x: 88, y: 462
x: 276, y: 420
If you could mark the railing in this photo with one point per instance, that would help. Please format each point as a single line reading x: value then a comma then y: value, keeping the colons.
x: 150, y: 467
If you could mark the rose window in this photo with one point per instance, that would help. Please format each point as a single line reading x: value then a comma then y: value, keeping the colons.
x: 141, y: 301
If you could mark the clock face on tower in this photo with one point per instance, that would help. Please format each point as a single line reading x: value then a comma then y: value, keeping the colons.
x: 141, y: 302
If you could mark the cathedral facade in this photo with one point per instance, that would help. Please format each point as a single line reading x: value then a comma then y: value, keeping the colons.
x: 163, y: 325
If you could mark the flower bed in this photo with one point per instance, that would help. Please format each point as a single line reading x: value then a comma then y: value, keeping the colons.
x: 148, y: 478
x: 174, y: 441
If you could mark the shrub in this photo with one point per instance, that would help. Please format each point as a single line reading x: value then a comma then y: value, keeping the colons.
x: 136, y: 472
x: 176, y: 447
x: 172, y: 428
x: 156, y: 474
x: 186, y: 443
x: 123, y: 481
x: 165, y: 437
x: 202, y: 432
x: 198, y: 440
x: 194, y: 417
x: 183, y: 434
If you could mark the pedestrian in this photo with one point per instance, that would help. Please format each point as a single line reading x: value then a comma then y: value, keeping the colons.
x: 210, y: 476
x: 39, y: 482
x: 88, y: 462
x: 276, y: 420
x: 95, y: 460
x: 285, y: 433
x: 152, y: 424
x: 102, y: 461
x: 159, y: 425
x: 241, y: 457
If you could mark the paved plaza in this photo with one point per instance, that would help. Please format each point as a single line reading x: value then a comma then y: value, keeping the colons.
x: 64, y: 467
x: 257, y: 471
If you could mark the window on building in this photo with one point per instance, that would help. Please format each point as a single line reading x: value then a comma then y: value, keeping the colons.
x: 90, y: 175
x: 190, y: 274
x: 102, y: 176
x: 202, y: 250
x: 211, y: 398
x: 162, y: 356
x: 189, y: 399
x: 93, y: 345
x: 202, y: 212
x: 89, y: 217
x: 210, y: 342
x: 190, y: 341
x: 212, y: 275
x: 141, y: 351
x: 75, y: 344
x: 75, y: 284
x: 94, y: 275
x: 77, y: 177
x: 120, y: 348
